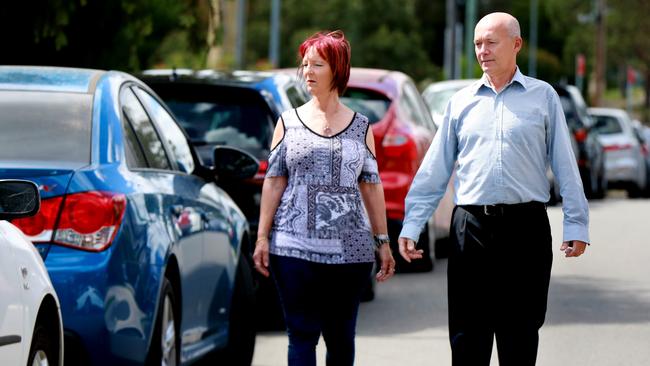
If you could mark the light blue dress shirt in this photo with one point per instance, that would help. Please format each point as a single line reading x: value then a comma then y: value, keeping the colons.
x: 502, y: 144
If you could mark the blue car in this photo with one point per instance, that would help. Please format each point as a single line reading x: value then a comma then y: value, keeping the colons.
x: 149, y: 257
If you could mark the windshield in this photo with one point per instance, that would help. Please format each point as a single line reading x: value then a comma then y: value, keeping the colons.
x: 367, y: 102
x: 211, y: 116
x: 437, y: 101
x: 45, y: 126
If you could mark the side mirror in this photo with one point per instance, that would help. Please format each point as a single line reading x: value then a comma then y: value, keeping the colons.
x: 233, y: 163
x: 18, y: 198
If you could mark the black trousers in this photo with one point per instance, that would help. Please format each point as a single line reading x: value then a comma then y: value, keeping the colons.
x: 498, y: 275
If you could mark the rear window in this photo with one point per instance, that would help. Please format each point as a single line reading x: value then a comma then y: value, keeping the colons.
x: 221, y: 116
x: 606, y: 125
x: 45, y: 126
x: 367, y: 102
x: 437, y: 101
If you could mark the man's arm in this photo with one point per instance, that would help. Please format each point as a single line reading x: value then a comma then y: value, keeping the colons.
x: 564, y: 166
x: 428, y: 186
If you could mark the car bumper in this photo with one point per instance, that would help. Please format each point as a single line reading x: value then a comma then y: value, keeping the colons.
x: 102, y: 322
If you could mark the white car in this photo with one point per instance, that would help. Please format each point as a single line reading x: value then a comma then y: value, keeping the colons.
x: 31, y: 331
x: 625, y: 165
x: 437, y: 95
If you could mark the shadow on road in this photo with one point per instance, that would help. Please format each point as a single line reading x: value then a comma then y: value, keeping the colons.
x: 577, y: 299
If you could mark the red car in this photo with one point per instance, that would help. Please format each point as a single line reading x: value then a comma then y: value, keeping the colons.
x: 403, y: 130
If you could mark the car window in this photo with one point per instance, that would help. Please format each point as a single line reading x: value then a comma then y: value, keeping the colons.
x: 144, y: 130
x: 437, y: 101
x: 170, y: 131
x: 410, y: 105
x: 605, y: 125
x: 295, y: 97
x: 135, y: 157
x: 214, y: 115
x: 45, y: 126
x: 420, y: 110
x: 370, y: 103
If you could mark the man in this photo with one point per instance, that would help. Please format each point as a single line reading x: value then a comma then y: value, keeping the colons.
x: 502, y: 132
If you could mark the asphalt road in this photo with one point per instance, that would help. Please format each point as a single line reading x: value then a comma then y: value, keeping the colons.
x: 599, y: 304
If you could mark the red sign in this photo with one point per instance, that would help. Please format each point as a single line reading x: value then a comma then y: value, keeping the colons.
x: 581, y: 64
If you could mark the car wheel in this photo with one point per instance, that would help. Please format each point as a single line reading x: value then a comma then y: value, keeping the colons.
x: 42, y: 351
x: 241, y: 337
x: 165, y: 345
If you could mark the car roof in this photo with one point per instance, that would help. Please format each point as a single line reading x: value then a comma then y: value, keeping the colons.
x: 449, y: 84
x: 386, y: 81
x: 44, y: 78
x: 601, y: 111
x: 242, y: 78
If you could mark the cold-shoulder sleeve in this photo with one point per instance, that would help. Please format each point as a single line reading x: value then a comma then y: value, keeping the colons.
x: 370, y: 170
x: 277, y: 161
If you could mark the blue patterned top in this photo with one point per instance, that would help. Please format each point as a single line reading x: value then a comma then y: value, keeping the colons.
x: 321, y: 216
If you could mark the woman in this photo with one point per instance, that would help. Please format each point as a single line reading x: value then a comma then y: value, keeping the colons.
x: 315, y: 235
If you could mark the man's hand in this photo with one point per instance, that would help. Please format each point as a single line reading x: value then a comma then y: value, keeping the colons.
x: 573, y: 248
x: 407, y: 249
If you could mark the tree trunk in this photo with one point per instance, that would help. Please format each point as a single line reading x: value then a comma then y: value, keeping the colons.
x: 214, y: 24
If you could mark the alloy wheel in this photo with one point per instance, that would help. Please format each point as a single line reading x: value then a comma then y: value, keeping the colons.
x: 168, y: 336
x: 40, y: 359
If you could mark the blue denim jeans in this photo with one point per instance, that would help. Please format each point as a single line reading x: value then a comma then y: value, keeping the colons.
x: 319, y: 299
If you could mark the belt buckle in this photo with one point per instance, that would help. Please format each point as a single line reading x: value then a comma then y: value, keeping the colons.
x: 493, y: 210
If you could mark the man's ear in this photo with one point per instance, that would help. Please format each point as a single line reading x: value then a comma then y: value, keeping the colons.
x: 519, y: 42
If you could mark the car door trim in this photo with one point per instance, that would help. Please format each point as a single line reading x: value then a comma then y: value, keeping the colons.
x: 10, y: 339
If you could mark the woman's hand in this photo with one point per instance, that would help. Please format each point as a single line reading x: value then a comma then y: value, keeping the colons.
x: 387, y: 269
x: 261, y: 256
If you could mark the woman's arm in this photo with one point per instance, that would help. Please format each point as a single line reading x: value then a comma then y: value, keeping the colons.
x: 373, y: 199
x: 272, y: 191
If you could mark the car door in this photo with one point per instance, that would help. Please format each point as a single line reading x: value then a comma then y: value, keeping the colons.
x: 201, y: 216
x: 11, y: 304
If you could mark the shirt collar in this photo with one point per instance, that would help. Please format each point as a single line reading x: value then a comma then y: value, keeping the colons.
x: 517, y: 78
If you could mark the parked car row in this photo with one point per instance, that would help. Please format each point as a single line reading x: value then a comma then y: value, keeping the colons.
x: 148, y: 256
x: 626, y: 152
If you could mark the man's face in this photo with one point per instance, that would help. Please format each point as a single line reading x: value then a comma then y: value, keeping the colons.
x: 496, y: 50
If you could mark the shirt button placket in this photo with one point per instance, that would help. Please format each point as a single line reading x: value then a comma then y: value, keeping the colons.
x: 498, y: 115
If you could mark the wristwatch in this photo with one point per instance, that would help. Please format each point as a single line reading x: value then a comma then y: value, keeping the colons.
x: 381, y: 239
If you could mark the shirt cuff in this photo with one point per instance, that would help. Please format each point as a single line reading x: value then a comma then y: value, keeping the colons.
x: 410, y: 231
x: 576, y: 233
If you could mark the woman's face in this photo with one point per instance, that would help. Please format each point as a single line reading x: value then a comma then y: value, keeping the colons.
x: 316, y: 72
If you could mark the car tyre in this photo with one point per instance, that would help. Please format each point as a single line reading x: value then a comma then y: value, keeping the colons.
x: 241, y: 331
x: 165, y: 344
x: 43, y: 350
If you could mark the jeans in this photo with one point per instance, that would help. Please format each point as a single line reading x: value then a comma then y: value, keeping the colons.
x: 319, y: 299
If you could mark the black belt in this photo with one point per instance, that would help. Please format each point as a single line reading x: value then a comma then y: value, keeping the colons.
x: 503, y: 209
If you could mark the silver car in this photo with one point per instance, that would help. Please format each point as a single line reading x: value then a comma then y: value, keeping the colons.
x: 625, y: 165
x: 437, y: 95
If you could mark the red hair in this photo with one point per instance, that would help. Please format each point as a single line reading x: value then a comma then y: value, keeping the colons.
x: 335, y: 49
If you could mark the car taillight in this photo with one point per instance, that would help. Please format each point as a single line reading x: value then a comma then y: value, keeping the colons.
x: 261, y: 172
x: 617, y: 147
x: 396, y: 144
x: 39, y: 228
x: 87, y: 220
x: 581, y: 135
